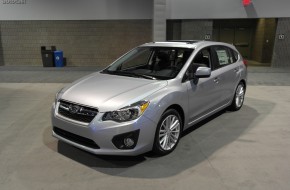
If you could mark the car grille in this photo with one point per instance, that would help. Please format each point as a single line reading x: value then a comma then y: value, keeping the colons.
x: 76, y: 112
x: 76, y: 138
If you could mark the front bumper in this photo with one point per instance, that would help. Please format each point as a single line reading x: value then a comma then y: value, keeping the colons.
x: 103, y: 132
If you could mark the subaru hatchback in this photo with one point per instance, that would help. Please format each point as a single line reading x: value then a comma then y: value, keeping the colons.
x: 146, y: 98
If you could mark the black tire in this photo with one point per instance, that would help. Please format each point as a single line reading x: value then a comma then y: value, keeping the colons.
x: 236, y: 105
x: 170, y: 114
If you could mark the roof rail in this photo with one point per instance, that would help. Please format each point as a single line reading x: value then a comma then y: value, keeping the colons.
x: 185, y: 41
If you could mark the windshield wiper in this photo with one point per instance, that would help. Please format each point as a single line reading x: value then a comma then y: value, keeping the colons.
x: 143, y: 76
x: 129, y: 74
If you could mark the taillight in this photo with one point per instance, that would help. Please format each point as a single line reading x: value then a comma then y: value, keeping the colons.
x: 245, y: 62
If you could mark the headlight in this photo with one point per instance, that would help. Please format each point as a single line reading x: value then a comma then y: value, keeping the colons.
x: 127, y: 113
x: 58, y: 96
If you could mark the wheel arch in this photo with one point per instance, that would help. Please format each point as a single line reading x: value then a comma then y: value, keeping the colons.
x: 180, y: 110
x: 244, y: 82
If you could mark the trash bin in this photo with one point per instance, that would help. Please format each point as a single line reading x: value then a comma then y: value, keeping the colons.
x: 47, y: 56
x: 58, y: 58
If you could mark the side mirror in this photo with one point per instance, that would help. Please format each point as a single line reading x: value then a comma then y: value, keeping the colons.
x: 203, y: 72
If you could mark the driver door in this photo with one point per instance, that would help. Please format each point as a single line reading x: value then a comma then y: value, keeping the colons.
x: 203, y: 93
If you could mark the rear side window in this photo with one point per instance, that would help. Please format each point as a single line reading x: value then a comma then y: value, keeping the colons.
x: 224, y: 56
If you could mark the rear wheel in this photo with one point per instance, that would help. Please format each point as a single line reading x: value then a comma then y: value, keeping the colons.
x: 168, y: 132
x: 239, y: 97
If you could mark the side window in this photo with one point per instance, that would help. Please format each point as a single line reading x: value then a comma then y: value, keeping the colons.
x: 203, y: 57
x: 181, y: 57
x: 223, y: 55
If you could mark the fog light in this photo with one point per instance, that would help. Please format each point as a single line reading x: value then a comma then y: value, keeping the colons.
x: 129, y: 142
x: 126, y: 140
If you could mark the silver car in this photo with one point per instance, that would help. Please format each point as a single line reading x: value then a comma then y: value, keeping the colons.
x: 146, y: 98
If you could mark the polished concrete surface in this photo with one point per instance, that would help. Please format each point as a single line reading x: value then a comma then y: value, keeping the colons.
x: 248, y: 149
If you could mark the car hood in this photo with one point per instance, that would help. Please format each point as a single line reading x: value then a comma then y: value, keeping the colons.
x: 110, y: 92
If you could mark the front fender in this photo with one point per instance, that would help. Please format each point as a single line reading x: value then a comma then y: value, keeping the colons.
x: 161, y: 100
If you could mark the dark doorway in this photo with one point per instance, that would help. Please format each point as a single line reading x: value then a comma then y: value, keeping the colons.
x: 254, y: 38
x: 239, y: 36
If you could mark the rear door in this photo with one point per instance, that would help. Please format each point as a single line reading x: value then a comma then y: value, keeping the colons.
x: 227, y: 72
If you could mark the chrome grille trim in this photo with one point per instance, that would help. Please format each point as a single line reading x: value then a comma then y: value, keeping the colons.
x: 76, y: 111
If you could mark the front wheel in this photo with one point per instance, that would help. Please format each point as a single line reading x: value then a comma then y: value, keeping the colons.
x: 239, y: 97
x: 168, y: 132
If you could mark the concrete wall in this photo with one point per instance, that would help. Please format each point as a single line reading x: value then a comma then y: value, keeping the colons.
x: 207, y: 9
x: 83, y: 42
x: 281, y: 54
x: 140, y: 9
x: 1, y: 50
x: 76, y: 10
x: 159, y: 20
x: 196, y: 29
x: 99, y: 31
x: 189, y: 29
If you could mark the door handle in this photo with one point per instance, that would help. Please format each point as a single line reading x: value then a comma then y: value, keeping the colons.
x: 216, y: 80
x: 236, y: 70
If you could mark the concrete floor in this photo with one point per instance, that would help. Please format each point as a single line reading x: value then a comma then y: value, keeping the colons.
x: 248, y: 149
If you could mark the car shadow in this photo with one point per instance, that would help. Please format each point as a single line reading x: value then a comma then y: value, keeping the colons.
x: 197, y: 144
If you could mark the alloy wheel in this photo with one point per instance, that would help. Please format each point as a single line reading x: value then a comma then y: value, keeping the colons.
x: 169, y: 132
x: 240, y: 95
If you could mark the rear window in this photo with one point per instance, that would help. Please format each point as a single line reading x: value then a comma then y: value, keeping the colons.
x: 235, y: 55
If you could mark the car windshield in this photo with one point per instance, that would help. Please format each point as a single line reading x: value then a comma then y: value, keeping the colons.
x: 151, y: 63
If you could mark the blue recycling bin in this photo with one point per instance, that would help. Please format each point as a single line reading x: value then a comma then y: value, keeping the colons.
x: 58, y: 58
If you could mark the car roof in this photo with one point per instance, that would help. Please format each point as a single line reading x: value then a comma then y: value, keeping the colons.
x: 185, y: 44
